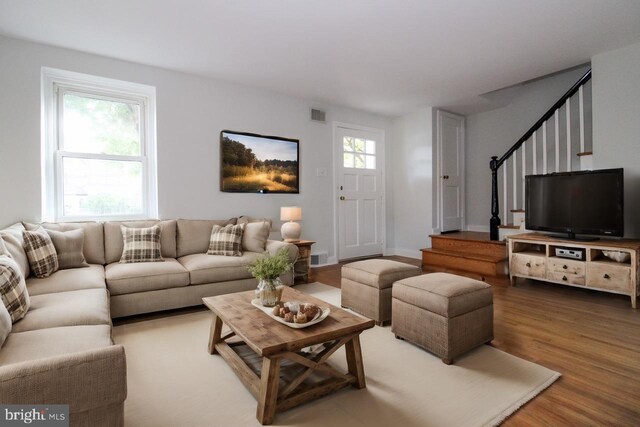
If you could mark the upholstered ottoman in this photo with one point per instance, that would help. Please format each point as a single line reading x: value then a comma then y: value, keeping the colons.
x: 366, y: 286
x: 443, y: 313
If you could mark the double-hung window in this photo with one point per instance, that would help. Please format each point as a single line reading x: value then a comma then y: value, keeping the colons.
x: 99, y: 153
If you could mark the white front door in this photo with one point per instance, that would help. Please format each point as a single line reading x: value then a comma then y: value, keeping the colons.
x: 360, y: 192
x: 451, y: 168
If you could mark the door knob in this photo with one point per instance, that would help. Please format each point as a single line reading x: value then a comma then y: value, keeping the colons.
x: 445, y: 176
x: 342, y: 198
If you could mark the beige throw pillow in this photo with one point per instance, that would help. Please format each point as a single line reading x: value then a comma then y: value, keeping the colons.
x: 226, y: 240
x: 141, y: 244
x: 255, y: 235
x: 5, y: 324
x: 13, y: 289
x: 69, y: 247
x: 14, y: 242
x: 41, y: 253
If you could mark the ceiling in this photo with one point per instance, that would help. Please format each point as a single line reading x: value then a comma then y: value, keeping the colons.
x: 382, y: 56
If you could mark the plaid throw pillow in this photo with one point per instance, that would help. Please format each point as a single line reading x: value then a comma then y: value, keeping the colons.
x: 41, y: 253
x: 13, y: 289
x: 141, y: 244
x: 226, y: 240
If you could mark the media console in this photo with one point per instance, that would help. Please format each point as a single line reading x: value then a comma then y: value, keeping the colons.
x: 533, y: 256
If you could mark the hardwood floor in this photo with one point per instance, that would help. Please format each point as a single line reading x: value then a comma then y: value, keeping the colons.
x: 591, y: 338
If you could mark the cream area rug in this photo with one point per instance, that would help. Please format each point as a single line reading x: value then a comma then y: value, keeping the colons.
x: 173, y: 381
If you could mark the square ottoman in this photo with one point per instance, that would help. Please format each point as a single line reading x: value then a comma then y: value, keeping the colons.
x: 366, y: 286
x: 443, y: 313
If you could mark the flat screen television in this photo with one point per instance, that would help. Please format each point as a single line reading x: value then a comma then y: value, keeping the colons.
x: 588, y: 202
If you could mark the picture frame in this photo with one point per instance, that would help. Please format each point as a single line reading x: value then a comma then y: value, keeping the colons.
x: 254, y: 163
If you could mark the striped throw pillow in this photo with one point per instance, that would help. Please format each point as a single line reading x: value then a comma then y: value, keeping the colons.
x: 141, y: 244
x: 226, y: 240
x: 42, y: 255
x: 13, y: 289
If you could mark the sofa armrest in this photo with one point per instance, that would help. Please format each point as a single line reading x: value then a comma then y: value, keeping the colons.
x: 85, y: 380
x: 273, y: 246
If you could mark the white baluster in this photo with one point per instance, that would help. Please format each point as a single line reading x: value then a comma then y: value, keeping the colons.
x: 556, y: 122
x: 581, y: 100
x: 535, y: 153
x: 515, y: 180
x: 544, y: 148
x: 505, y: 192
x: 568, y: 118
x: 524, y: 170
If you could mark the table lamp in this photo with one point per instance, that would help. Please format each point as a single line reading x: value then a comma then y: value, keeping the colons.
x: 290, y: 230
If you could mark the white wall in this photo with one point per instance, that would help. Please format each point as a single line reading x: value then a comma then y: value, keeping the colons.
x: 412, y: 182
x: 616, y: 123
x: 191, y: 112
x: 492, y: 133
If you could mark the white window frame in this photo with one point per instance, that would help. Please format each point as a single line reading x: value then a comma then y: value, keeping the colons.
x: 55, y: 83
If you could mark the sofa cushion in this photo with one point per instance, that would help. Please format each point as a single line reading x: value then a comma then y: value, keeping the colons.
x: 5, y: 324
x: 140, y: 244
x: 145, y: 276
x: 217, y: 268
x: 14, y: 242
x: 42, y: 255
x: 74, y: 279
x: 93, y: 246
x: 13, y: 290
x: 248, y: 220
x: 226, y: 240
x: 41, y: 343
x: 113, y: 242
x: 84, y: 307
x: 255, y: 235
x: 193, y: 234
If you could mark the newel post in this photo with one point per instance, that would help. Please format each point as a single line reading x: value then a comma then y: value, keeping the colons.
x: 495, y: 209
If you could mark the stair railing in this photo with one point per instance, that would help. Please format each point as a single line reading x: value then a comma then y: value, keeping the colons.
x: 496, y: 162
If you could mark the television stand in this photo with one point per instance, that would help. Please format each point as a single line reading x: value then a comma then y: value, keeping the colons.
x: 533, y: 256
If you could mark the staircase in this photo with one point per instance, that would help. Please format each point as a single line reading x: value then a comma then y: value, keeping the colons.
x: 466, y: 252
x: 556, y: 143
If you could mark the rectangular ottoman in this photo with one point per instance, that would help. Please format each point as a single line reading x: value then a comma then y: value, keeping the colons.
x: 443, y: 313
x: 366, y: 286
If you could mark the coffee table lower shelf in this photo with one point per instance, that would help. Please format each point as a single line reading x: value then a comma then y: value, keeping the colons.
x: 282, y: 381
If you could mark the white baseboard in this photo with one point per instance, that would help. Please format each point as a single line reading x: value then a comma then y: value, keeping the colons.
x: 474, y: 227
x: 409, y: 253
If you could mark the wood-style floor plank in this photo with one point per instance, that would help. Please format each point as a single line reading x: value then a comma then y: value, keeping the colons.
x: 591, y: 338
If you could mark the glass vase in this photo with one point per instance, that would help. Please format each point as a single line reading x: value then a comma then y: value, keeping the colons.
x: 269, y: 292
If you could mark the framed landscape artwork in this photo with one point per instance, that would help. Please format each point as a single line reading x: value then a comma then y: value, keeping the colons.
x: 253, y: 163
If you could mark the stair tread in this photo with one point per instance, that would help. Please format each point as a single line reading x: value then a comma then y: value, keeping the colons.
x: 468, y: 236
x: 518, y: 211
x: 510, y: 226
x: 585, y: 153
x: 469, y: 255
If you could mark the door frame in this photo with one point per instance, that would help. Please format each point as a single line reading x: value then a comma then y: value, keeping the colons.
x: 380, y: 162
x: 439, y: 115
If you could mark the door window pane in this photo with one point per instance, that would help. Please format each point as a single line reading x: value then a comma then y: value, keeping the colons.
x: 347, y: 143
x: 371, y: 147
x: 370, y: 162
x: 101, y: 126
x: 348, y: 160
x: 93, y: 187
x: 359, y: 161
x: 359, y: 145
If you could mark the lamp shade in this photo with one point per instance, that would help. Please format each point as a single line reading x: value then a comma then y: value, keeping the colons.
x: 290, y: 213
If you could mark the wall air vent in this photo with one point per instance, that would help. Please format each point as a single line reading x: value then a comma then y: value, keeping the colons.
x: 318, y: 116
x: 320, y: 258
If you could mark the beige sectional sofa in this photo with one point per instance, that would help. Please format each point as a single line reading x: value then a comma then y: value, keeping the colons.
x: 62, y: 350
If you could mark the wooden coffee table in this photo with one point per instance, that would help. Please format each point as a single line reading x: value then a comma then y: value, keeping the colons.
x: 282, y: 376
